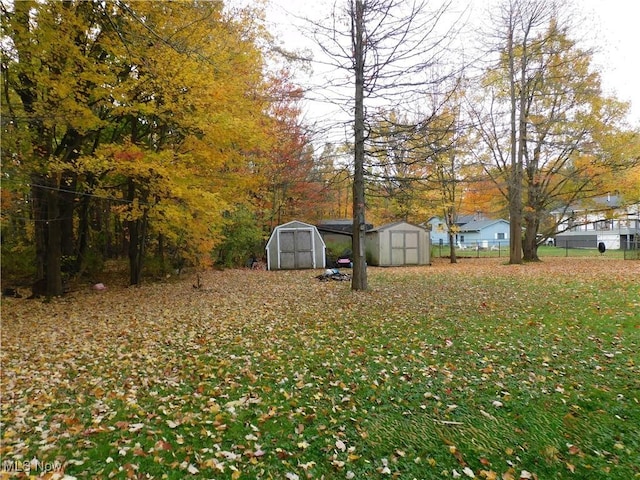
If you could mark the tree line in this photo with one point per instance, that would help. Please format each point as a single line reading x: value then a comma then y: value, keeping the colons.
x: 157, y: 131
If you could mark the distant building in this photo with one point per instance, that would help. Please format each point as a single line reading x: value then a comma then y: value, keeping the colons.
x: 484, y: 234
x: 598, y: 220
x: 398, y: 243
x: 295, y: 245
x: 474, y: 231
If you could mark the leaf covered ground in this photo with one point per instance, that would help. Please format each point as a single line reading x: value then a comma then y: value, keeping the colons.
x: 476, y: 370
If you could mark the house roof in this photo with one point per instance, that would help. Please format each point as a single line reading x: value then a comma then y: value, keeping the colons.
x: 480, y: 225
x: 465, y: 219
x: 594, y: 204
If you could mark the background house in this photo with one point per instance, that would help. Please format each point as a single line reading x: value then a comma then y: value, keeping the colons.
x: 483, y: 234
x: 295, y: 245
x: 438, y: 231
x: 398, y: 243
x: 474, y: 231
x: 598, y: 220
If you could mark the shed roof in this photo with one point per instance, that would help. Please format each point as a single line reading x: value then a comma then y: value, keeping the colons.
x: 293, y: 225
x: 394, y: 224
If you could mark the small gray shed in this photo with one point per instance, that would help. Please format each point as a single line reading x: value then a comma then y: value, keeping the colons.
x: 295, y: 245
x: 398, y: 243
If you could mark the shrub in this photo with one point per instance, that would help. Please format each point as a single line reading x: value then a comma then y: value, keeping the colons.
x: 243, y: 239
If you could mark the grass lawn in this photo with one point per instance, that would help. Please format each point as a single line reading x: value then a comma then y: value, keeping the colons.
x: 543, y: 252
x: 474, y: 370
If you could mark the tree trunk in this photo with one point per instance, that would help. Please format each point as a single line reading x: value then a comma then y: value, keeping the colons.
x: 515, y: 226
x: 67, y: 207
x: 515, y: 174
x: 39, y: 212
x: 137, y: 240
x: 530, y: 242
x: 53, y: 273
x: 359, y: 279
x: 452, y: 248
x: 83, y: 233
x: 137, y: 234
x: 160, y: 251
x: 47, y: 233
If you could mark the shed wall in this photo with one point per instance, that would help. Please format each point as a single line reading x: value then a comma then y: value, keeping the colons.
x: 295, y: 245
x: 399, y: 244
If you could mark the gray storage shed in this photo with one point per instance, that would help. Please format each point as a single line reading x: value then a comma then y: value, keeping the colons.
x: 398, y: 243
x: 295, y: 245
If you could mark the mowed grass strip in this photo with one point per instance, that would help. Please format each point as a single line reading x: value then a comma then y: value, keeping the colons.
x: 476, y: 369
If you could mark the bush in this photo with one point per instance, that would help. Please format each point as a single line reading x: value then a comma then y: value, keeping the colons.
x: 243, y: 240
x: 18, y: 263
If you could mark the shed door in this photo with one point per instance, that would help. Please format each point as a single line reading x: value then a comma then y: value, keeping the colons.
x: 404, y: 248
x: 296, y: 249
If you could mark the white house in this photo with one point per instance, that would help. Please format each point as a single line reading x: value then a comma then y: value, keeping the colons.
x: 600, y: 220
x: 438, y: 231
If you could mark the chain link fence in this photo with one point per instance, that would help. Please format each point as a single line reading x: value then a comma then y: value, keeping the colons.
x: 630, y: 249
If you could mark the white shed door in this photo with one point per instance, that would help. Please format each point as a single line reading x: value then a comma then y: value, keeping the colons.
x: 296, y: 249
x: 404, y: 248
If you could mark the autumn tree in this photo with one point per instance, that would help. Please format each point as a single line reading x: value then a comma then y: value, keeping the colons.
x: 160, y: 107
x: 293, y: 186
x: 398, y: 169
x: 54, y: 88
x: 447, y: 140
x: 546, y: 122
x: 384, y: 47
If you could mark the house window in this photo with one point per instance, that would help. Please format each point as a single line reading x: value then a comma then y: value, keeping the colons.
x: 500, y: 236
x: 461, y: 238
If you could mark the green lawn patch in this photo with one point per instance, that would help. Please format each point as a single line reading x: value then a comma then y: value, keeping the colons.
x: 478, y: 369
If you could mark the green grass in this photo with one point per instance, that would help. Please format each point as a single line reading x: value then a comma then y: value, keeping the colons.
x: 543, y: 252
x: 493, y: 368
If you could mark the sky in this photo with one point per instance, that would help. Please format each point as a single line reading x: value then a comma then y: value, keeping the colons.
x: 619, y: 41
x: 610, y: 26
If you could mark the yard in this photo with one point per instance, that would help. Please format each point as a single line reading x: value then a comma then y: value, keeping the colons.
x: 502, y: 251
x: 474, y: 370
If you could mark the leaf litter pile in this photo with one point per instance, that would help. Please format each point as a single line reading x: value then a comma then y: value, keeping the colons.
x: 475, y: 370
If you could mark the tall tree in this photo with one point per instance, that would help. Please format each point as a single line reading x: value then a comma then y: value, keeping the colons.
x: 293, y: 186
x: 54, y: 85
x: 159, y: 106
x: 545, y: 98
x: 386, y: 46
x: 448, y: 138
x: 398, y: 169
x: 516, y: 23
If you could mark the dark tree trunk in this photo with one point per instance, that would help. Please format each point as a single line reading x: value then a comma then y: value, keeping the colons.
x: 39, y: 212
x: 67, y: 206
x: 137, y: 235
x: 83, y: 233
x: 160, y: 251
x: 359, y: 279
x: 530, y: 241
x: 53, y: 274
x: 452, y: 248
x: 47, y: 234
